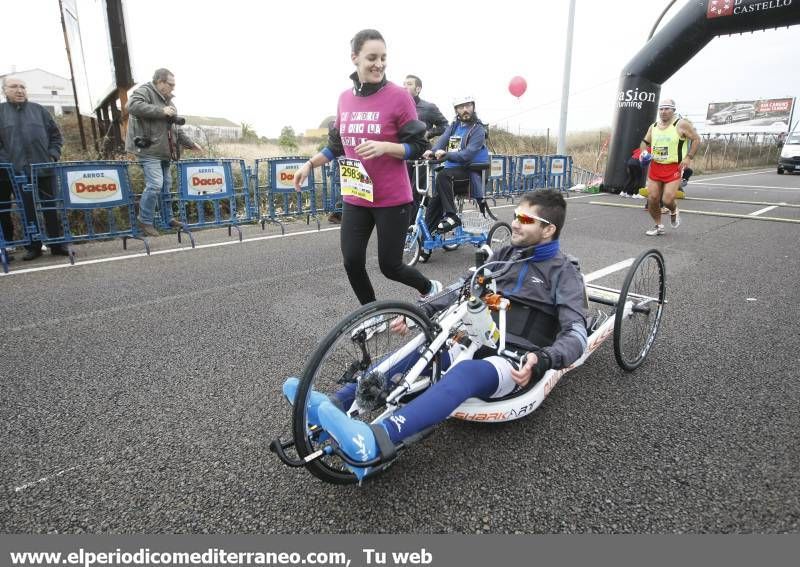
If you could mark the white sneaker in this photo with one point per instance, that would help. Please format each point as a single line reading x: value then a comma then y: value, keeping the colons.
x: 657, y: 230
x: 370, y: 327
x: 675, y: 219
x: 436, y: 287
x: 624, y: 195
x: 636, y: 196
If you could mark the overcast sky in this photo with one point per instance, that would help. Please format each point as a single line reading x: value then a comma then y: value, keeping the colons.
x: 275, y: 64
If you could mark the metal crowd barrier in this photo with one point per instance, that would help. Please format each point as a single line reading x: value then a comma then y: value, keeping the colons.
x: 527, y: 173
x: 211, y: 193
x: 496, y: 184
x: 558, y: 172
x: 82, y: 201
x: 275, y: 184
x: 331, y: 187
x: 12, y: 211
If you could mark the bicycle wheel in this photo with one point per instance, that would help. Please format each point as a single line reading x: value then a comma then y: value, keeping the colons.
x: 412, y: 248
x: 345, y: 366
x: 636, y: 326
x: 499, y: 236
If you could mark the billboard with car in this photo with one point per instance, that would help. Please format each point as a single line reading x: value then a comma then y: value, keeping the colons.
x: 742, y: 116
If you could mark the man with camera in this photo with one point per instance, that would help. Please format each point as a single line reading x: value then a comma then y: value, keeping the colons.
x: 155, y: 138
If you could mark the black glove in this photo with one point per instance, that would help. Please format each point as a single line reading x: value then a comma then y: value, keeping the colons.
x: 543, y: 364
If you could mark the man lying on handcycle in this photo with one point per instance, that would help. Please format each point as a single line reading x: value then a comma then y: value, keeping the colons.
x: 547, y: 310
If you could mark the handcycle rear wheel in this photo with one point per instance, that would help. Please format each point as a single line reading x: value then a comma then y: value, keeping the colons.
x: 346, y: 355
x: 499, y: 236
x: 635, y: 329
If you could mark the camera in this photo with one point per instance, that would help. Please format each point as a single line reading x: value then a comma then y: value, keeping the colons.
x: 179, y: 120
x: 143, y: 141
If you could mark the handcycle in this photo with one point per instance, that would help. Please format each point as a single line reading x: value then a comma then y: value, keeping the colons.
x: 359, y: 352
x: 476, y: 228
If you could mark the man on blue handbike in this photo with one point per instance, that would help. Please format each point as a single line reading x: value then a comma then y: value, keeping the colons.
x: 463, y: 147
x: 546, y: 328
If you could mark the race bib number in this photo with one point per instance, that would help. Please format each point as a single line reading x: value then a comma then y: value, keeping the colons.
x: 454, y: 144
x: 660, y: 152
x: 354, y: 179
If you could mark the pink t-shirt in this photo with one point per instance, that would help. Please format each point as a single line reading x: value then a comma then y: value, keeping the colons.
x: 377, y: 117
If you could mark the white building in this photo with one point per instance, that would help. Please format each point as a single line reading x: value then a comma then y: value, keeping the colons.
x: 207, y: 128
x: 48, y: 89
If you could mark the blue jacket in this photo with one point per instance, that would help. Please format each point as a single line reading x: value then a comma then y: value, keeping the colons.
x: 465, y: 143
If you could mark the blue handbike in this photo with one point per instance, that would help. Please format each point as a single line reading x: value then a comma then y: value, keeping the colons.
x: 478, y: 227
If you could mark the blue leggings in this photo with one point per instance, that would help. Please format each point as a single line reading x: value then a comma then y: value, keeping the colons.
x: 467, y: 379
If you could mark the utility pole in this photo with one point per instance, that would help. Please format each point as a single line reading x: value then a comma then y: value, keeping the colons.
x: 72, y: 76
x: 562, y: 128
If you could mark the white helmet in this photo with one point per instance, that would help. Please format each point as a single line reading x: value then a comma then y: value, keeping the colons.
x: 458, y: 101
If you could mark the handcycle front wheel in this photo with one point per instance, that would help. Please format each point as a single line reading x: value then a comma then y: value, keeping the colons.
x: 351, y: 352
x: 639, y: 309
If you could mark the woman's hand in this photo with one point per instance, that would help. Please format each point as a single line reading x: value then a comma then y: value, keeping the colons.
x: 301, y: 175
x: 371, y: 149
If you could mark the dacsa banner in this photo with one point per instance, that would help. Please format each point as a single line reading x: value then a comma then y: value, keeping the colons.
x: 284, y: 175
x: 206, y: 180
x: 93, y: 187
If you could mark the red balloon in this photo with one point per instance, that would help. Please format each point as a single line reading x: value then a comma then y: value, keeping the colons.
x: 517, y: 86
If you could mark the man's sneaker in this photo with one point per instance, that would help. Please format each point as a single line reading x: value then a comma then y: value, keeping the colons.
x: 657, y: 230
x: 355, y: 438
x: 436, y: 287
x: 148, y: 229
x: 314, y: 400
x: 636, y: 196
x: 675, y: 218
x: 370, y: 327
x: 665, y: 211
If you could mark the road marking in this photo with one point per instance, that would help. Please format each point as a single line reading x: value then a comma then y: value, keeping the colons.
x: 704, y: 213
x: 745, y: 186
x: 781, y: 204
x: 764, y: 210
x: 56, y: 475
x: 602, y: 272
x: 733, y: 175
x: 78, y: 264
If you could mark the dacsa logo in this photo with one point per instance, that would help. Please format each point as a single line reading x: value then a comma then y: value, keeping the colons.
x: 94, y: 186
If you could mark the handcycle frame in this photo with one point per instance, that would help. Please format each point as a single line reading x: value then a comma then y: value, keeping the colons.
x: 420, y: 241
x: 626, y: 302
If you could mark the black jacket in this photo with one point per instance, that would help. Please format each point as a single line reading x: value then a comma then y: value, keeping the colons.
x: 28, y: 135
x: 434, y: 120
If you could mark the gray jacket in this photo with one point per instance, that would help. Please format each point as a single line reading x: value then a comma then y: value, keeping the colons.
x: 28, y: 134
x: 146, y: 112
x: 548, y: 304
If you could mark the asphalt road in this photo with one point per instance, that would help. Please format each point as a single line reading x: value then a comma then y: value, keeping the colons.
x: 140, y: 395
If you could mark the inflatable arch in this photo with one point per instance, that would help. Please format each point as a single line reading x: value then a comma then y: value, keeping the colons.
x: 694, y: 26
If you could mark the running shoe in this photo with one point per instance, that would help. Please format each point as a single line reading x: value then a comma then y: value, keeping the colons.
x: 436, y: 288
x: 657, y: 230
x: 675, y: 218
